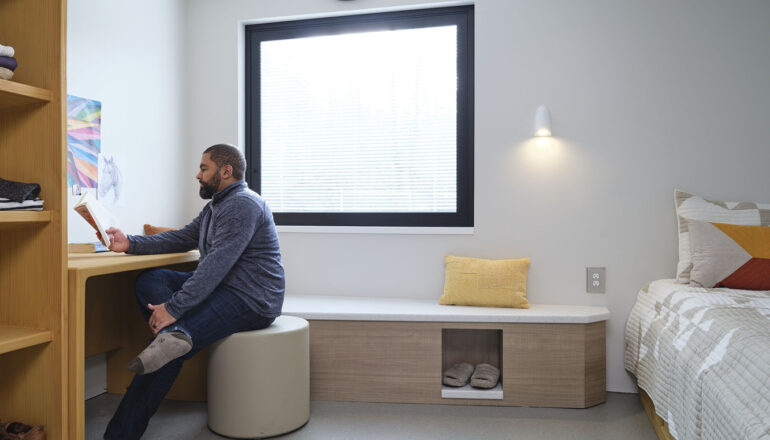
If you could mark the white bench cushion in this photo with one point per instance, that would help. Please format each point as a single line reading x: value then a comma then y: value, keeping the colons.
x: 349, y: 308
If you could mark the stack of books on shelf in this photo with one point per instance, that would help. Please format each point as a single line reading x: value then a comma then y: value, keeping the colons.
x: 85, y: 248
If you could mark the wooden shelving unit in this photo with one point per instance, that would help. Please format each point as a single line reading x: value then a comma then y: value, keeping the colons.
x: 17, y: 338
x: 33, y: 257
x: 12, y: 217
x: 14, y: 94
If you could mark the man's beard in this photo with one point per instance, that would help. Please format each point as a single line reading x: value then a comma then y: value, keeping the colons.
x: 209, y: 188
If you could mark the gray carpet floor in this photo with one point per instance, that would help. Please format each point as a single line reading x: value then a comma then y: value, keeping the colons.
x: 621, y: 417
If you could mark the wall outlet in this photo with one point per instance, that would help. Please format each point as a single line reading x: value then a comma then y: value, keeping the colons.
x: 595, y: 279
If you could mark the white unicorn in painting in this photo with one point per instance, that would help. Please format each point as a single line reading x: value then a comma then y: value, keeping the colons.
x: 110, y: 179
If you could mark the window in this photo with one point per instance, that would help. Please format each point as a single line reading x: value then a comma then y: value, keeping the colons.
x: 363, y: 120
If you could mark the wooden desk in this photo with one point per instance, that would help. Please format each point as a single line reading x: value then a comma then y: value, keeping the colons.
x: 101, y: 299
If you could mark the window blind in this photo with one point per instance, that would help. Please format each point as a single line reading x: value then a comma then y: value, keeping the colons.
x: 360, y: 122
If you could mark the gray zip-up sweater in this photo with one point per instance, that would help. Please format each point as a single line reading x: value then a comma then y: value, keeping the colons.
x: 239, y: 249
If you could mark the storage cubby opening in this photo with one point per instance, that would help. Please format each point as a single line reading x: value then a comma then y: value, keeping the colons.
x: 474, y: 346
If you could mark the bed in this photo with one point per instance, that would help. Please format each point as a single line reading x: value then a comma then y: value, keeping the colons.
x: 703, y: 357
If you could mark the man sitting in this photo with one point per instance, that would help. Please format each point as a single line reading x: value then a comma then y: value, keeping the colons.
x: 237, y: 286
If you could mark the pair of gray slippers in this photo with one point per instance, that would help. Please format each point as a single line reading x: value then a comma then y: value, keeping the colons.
x: 483, y: 376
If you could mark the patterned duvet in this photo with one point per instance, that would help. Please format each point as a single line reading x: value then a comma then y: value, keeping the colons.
x: 703, y: 356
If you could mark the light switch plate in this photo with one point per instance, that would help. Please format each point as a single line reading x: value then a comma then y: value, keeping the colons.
x: 596, y: 278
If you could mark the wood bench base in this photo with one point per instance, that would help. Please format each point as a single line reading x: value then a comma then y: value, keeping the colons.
x: 543, y: 365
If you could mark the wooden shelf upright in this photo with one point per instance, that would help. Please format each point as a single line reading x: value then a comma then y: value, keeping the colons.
x: 33, y: 254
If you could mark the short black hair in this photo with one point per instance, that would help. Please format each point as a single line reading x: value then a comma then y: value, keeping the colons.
x: 227, y: 154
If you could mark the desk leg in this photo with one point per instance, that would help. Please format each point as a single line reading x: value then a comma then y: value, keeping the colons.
x: 191, y: 384
x: 76, y: 355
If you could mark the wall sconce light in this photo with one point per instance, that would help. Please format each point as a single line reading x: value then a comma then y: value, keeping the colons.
x: 542, y: 122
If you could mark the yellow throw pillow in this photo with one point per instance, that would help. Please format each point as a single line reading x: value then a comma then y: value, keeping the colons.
x: 487, y: 283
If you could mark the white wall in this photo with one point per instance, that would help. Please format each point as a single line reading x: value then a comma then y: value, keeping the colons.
x: 644, y: 97
x: 130, y: 56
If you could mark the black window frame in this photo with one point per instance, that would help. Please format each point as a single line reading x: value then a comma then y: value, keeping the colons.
x: 462, y: 17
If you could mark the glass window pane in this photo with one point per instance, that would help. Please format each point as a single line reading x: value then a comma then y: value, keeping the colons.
x: 361, y: 122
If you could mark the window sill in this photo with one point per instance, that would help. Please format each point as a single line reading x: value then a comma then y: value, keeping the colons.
x: 376, y: 230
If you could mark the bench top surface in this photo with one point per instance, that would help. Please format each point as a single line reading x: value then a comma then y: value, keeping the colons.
x: 348, y: 308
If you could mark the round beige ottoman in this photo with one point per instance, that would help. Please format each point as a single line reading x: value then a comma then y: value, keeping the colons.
x: 259, y: 381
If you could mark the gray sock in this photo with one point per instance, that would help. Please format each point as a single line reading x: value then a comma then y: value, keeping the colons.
x: 165, y: 348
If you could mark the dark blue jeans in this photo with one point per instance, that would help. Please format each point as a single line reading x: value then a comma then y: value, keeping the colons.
x: 221, y: 314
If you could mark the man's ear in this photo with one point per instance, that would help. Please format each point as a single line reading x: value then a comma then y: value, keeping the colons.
x: 227, y: 171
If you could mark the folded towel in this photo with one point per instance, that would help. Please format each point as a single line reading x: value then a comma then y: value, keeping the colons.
x: 6, y: 51
x: 9, y: 63
x: 27, y: 205
x: 18, y: 191
x: 458, y: 375
x: 6, y: 73
x: 485, y: 376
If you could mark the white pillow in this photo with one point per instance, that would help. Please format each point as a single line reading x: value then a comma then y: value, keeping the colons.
x: 690, y: 207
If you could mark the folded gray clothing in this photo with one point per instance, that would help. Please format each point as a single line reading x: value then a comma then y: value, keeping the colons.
x: 6, y: 51
x: 485, y: 376
x: 9, y: 62
x: 6, y: 73
x: 18, y: 191
x: 458, y: 375
x: 27, y: 205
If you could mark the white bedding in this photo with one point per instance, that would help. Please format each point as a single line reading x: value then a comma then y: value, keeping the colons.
x: 703, y: 356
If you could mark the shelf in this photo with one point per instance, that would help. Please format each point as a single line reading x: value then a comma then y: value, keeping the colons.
x: 13, y: 94
x: 468, y: 392
x: 13, y: 217
x: 16, y: 338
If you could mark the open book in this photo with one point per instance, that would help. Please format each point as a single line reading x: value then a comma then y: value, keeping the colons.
x: 87, y: 248
x: 96, y: 215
